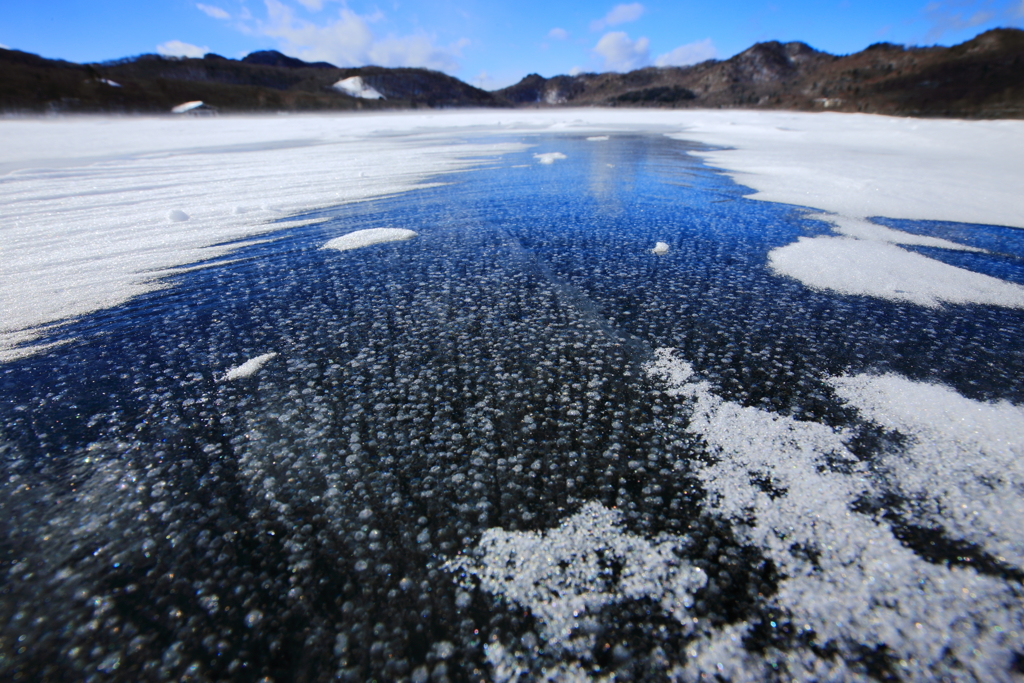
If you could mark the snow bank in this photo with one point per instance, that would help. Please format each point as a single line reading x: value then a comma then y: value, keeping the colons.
x: 365, y: 238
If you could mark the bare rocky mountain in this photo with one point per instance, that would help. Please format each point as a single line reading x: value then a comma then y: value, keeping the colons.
x: 982, y: 78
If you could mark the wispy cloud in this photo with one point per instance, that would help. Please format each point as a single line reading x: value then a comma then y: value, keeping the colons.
x: 620, y: 14
x: 312, y: 5
x: 348, y: 41
x: 948, y: 16
x: 619, y: 53
x: 176, y: 48
x: 211, y: 11
x: 691, y: 53
x: 562, y: 34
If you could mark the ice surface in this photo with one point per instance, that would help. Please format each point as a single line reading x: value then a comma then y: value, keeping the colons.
x: 101, y: 184
x: 249, y: 367
x: 483, y: 395
x: 355, y: 87
x: 370, y: 236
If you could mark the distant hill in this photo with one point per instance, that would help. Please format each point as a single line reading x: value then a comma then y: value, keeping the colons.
x: 262, y: 81
x: 981, y: 78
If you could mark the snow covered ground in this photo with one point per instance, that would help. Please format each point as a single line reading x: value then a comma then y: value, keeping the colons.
x: 865, y: 524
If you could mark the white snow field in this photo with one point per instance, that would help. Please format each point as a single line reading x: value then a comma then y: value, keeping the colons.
x: 96, y: 209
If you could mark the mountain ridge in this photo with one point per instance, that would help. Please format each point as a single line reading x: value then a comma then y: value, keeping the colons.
x: 980, y: 78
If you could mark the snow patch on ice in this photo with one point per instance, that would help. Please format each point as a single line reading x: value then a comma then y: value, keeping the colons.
x: 597, y: 138
x: 548, y: 157
x: 866, y: 230
x: 660, y: 248
x: 563, y: 575
x: 964, y: 466
x: 883, y: 270
x: 249, y: 367
x: 177, y: 216
x: 370, y: 236
x: 844, y: 577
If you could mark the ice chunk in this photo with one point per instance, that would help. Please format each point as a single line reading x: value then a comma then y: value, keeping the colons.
x: 355, y: 87
x: 548, y: 157
x: 248, y: 368
x: 365, y: 238
x: 660, y: 248
x: 177, y: 216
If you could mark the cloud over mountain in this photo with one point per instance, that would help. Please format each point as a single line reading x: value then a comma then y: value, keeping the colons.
x: 691, y: 53
x: 177, y: 48
x: 619, y: 53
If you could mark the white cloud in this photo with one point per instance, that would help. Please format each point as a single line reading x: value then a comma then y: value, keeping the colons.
x: 348, y: 41
x: 176, y: 48
x: 312, y: 5
x: 576, y: 71
x: 562, y: 34
x: 620, y: 14
x: 622, y: 54
x: 211, y: 11
x: 691, y: 53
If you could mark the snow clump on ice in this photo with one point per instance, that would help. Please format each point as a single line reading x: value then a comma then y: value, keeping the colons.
x: 368, y: 237
x: 249, y: 367
x: 548, y: 157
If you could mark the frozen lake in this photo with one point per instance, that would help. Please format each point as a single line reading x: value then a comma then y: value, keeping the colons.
x: 596, y: 414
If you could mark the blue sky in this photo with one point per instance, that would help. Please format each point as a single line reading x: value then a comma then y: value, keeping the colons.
x: 488, y: 44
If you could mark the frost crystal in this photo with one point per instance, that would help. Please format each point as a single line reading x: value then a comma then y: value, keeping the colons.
x: 566, y: 575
